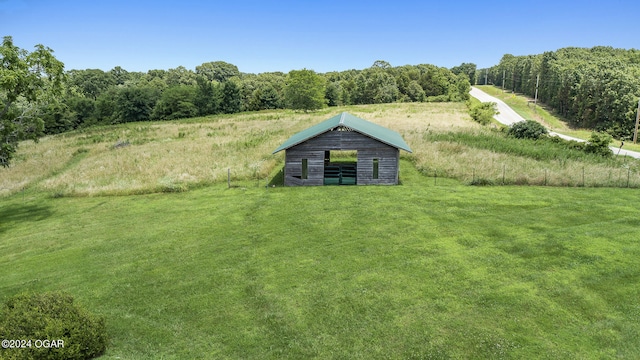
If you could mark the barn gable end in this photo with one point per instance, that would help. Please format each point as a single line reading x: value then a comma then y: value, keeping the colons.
x: 307, y: 159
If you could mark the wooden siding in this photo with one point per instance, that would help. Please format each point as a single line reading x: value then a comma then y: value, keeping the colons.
x: 293, y: 167
x: 340, y: 140
x: 368, y: 150
x: 387, y: 166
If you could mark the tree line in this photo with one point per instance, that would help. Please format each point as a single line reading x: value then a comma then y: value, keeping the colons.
x: 596, y: 88
x: 37, y: 96
x: 94, y: 96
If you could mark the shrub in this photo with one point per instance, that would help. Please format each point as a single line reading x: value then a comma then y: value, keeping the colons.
x: 599, y: 144
x: 481, y: 182
x: 481, y: 112
x: 51, y: 317
x: 528, y: 129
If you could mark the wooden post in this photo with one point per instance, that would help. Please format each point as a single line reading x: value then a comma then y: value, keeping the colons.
x: 635, y: 134
x: 535, y: 101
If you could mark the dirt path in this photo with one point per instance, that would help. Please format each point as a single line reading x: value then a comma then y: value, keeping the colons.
x: 508, y: 116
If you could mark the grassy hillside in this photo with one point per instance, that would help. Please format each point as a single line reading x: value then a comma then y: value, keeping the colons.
x: 174, y: 156
x: 412, y: 271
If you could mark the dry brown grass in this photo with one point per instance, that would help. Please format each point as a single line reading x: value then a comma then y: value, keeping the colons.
x: 177, y: 155
x: 34, y: 162
x: 468, y: 164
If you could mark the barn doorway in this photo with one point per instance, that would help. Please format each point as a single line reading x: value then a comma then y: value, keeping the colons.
x: 340, y: 167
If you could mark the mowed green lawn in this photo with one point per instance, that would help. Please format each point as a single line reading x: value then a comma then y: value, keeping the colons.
x: 413, y: 271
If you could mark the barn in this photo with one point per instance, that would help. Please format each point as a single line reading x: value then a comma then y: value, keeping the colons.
x: 308, y: 159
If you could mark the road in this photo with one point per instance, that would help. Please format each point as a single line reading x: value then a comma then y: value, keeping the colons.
x: 507, y: 116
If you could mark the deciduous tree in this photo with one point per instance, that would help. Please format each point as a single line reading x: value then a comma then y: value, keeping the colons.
x: 219, y: 71
x: 27, y: 79
x: 305, y: 90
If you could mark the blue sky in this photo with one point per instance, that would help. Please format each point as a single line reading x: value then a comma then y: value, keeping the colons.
x: 263, y: 36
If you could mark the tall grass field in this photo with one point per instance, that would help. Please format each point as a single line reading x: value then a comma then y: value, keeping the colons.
x: 150, y: 157
x: 182, y: 266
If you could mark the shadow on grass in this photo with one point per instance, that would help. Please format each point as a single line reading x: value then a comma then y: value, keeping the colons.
x: 15, y: 214
x: 278, y: 179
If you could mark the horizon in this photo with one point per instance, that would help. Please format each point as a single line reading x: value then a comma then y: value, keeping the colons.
x: 260, y: 37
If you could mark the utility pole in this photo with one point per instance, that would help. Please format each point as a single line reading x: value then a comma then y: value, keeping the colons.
x: 486, y: 75
x: 635, y: 134
x: 535, y: 100
x: 503, y: 74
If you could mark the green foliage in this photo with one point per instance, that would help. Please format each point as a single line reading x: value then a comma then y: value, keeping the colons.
x: 52, y: 317
x: 57, y: 118
x: 26, y: 81
x: 528, y: 129
x: 264, y: 97
x: 134, y: 104
x: 415, y: 92
x: 231, y: 97
x: 305, y: 90
x: 219, y: 71
x: 176, y: 103
x: 105, y: 106
x: 599, y: 144
x: 595, y: 88
x: 208, y: 97
x: 333, y: 94
x: 180, y: 76
x: 466, y: 69
x: 91, y: 82
x: 96, y: 97
x: 481, y: 112
x: 547, y: 148
x: 459, y: 90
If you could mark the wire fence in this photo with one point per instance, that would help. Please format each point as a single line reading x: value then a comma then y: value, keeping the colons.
x: 581, y: 177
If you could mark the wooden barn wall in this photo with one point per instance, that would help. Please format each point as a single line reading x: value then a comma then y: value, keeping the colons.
x: 293, y: 167
x: 340, y: 140
x: 368, y: 149
x: 387, y: 166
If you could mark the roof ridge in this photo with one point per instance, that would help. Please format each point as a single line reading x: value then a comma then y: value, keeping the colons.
x: 364, y: 127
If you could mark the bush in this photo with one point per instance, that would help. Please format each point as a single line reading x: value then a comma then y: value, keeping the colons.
x: 481, y: 182
x: 481, y: 112
x: 51, y: 317
x: 599, y: 144
x: 528, y: 129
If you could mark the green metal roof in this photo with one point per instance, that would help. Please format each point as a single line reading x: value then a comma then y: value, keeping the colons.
x: 345, y: 119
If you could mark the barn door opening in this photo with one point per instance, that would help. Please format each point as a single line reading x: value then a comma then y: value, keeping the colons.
x: 340, y: 167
